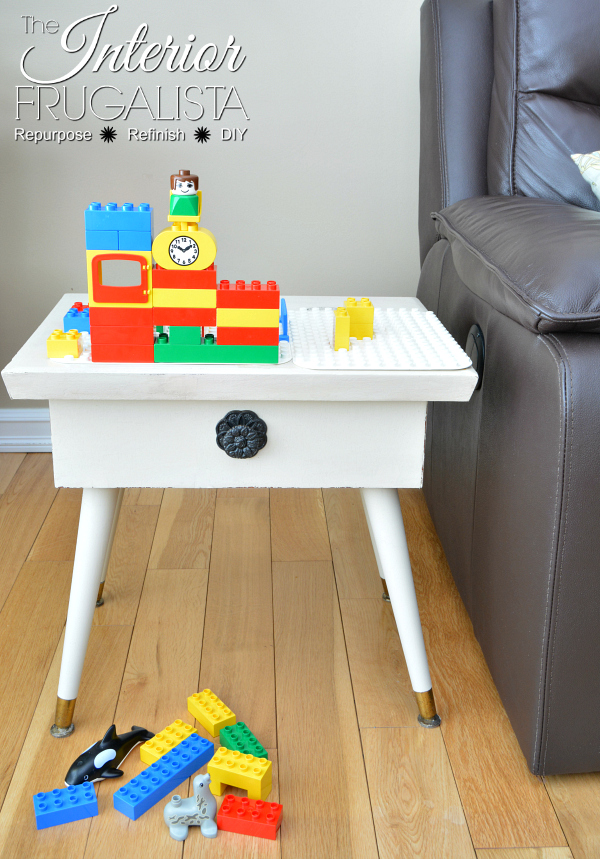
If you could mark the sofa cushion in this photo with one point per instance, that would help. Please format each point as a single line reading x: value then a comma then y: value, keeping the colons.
x: 537, y: 261
x: 545, y: 98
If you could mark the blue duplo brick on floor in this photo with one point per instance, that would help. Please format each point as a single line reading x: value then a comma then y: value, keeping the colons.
x: 158, y: 780
x: 64, y: 805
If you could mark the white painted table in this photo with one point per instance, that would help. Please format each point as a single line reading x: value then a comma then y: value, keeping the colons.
x: 118, y: 425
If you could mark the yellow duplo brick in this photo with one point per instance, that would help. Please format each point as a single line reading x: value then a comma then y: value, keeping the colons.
x: 361, y: 317
x: 61, y: 344
x: 361, y: 330
x: 210, y: 711
x: 247, y: 317
x: 237, y: 770
x: 153, y: 750
x: 185, y: 298
x: 341, y: 329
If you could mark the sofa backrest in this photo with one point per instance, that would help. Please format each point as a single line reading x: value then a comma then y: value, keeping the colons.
x: 456, y: 85
x: 545, y: 98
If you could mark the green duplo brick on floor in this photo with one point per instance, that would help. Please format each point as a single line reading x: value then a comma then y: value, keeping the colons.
x: 240, y: 738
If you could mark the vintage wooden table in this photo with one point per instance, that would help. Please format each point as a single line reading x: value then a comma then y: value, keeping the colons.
x: 153, y: 425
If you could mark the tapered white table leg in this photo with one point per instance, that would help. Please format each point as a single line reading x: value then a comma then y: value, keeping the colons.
x: 384, y: 517
x: 100, y: 598
x: 96, y: 522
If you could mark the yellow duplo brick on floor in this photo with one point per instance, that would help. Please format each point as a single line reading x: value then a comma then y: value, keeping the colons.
x: 210, y: 711
x: 185, y: 298
x: 153, y: 750
x: 61, y: 344
x: 341, y: 329
x: 247, y: 317
x: 237, y: 770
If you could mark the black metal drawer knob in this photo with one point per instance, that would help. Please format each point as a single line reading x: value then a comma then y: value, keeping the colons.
x: 241, y: 434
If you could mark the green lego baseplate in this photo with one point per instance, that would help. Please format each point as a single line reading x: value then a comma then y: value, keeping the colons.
x: 240, y: 738
x: 212, y: 353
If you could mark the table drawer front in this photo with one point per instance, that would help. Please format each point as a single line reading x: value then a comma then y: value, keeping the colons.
x: 174, y: 443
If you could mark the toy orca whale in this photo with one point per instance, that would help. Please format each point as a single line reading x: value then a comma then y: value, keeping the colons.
x: 101, y: 759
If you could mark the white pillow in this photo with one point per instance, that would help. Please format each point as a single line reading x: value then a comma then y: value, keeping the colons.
x: 589, y: 165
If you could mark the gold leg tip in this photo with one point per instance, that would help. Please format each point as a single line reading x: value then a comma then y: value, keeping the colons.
x: 59, y: 733
x: 428, y: 716
x: 63, y: 726
x: 100, y: 598
x: 429, y: 723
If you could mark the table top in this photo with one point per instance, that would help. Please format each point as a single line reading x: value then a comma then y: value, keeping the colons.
x: 31, y: 375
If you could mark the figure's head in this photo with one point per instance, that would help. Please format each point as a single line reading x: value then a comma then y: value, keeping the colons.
x: 184, y: 182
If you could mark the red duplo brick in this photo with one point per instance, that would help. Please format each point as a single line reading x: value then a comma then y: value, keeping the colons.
x: 250, y: 816
x: 166, y: 278
x: 242, y: 295
x: 132, y: 335
x: 185, y: 315
x: 230, y: 336
x: 123, y: 354
x: 120, y: 316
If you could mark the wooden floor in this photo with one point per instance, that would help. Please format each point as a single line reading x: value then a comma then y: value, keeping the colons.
x: 273, y: 600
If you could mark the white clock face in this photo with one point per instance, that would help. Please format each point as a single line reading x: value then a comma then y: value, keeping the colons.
x: 183, y: 250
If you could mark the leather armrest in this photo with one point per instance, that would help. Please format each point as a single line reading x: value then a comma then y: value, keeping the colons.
x: 536, y: 261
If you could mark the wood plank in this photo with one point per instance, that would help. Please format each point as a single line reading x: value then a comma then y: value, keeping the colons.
x: 31, y: 623
x: 23, y: 508
x: 527, y: 853
x: 505, y: 805
x: 44, y: 761
x: 230, y: 845
x: 323, y: 784
x: 382, y: 692
x: 184, y: 531
x: 163, y: 664
x: 127, y: 567
x: 9, y: 464
x: 58, y: 535
x: 298, y: 526
x: 576, y: 800
x: 376, y: 660
x: 162, y: 670
x: 237, y: 655
x: 249, y: 491
x: 147, y: 495
x: 355, y: 567
x: 415, y: 802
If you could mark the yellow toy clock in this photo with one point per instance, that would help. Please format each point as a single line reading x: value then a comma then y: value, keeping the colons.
x: 184, y: 245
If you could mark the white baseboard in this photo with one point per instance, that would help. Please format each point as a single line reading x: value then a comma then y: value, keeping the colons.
x: 25, y: 431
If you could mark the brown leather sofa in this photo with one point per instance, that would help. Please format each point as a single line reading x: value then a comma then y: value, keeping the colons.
x: 509, y: 89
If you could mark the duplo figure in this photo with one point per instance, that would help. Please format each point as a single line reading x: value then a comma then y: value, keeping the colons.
x: 185, y: 205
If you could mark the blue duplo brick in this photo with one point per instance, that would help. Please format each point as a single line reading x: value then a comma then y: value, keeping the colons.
x: 135, y: 240
x: 160, y: 779
x: 78, y: 319
x: 101, y: 240
x: 64, y: 805
x: 113, y: 217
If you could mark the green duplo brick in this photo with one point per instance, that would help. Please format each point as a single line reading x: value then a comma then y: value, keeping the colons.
x: 185, y: 334
x: 212, y: 353
x: 240, y: 738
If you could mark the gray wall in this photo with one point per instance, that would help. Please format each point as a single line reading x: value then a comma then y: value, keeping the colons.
x: 321, y: 195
